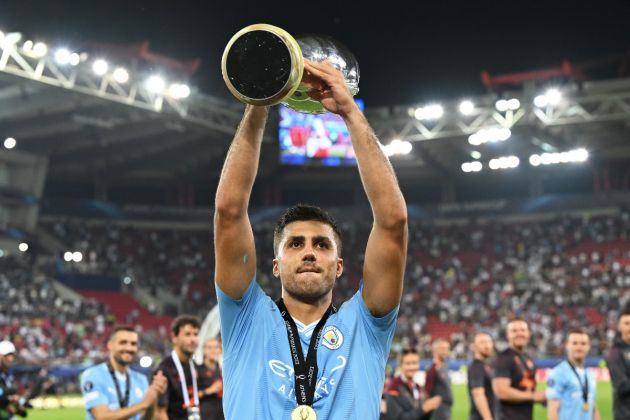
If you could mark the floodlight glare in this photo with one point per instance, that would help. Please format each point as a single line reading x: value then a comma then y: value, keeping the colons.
x: 429, y: 112
x: 77, y: 256
x: 466, y: 107
x: 475, y: 154
x: 541, y: 101
x: 23, y: 247
x: 534, y: 160
x: 74, y: 59
x: 40, y: 49
x: 62, y: 56
x: 155, y: 84
x: 121, y: 75
x: 513, y: 104
x: 67, y: 256
x: 27, y: 46
x: 99, y: 67
x: 9, y: 143
x: 554, y: 97
x: 502, y: 105
x: 179, y: 91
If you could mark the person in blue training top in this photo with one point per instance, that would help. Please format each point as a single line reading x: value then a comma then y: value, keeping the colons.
x: 570, y: 386
x: 113, y: 391
x: 299, y: 357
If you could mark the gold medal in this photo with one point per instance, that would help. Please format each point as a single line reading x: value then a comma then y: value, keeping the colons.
x: 303, y: 412
x: 585, y: 407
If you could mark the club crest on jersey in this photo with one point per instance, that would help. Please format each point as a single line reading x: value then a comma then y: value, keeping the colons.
x: 333, y: 339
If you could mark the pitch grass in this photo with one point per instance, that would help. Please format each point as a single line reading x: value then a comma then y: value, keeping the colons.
x: 460, y: 410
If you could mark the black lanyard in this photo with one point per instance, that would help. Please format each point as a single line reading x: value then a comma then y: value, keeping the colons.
x: 305, y: 371
x: 122, y: 402
x: 585, y: 386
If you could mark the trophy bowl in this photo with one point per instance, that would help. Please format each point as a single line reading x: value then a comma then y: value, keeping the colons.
x: 263, y: 65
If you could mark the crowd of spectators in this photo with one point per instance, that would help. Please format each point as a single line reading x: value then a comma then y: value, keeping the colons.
x: 461, y: 277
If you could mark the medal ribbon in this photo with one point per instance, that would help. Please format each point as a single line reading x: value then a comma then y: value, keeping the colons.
x: 121, y: 402
x: 583, y: 386
x: 305, y: 371
x: 182, y: 380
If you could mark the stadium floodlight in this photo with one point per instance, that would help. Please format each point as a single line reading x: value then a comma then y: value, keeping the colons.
x: 9, y: 143
x: 475, y: 154
x: 504, y: 162
x: 100, y: 67
x: 429, y: 112
x: 466, y: 107
x: 475, y: 166
x: 155, y: 84
x: 575, y: 156
x: 179, y: 91
x: 121, y: 75
x: 27, y: 46
x: 77, y: 256
x: 23, y: 247
x: 551, y: 98
x: 1, y: 37
x: 397, y: 147
x: 10, y: 39
x: 40, y: 49
x: 67, y: 256
x: 1, y: 253
x: 74, y: 59
x: 489, y: 135
x: 534, y: 160
x: 503, y: 105
x: 62, y: 56
x: 127, y: 280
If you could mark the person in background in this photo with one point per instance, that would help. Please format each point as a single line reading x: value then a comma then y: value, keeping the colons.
x: 113, y: 391
x: 438, y: 382
x: 403, y: 397
x: 571, y: 387
x: 514, y: 380
x: 482, y: 401
x: 211, y: 382
x: 618, y: 362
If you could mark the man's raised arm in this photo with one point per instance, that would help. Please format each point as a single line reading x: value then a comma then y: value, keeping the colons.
x: 235, y: 252
x: 386, y: 252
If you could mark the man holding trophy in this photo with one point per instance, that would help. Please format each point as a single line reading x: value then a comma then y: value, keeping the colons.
x: 300, y: 357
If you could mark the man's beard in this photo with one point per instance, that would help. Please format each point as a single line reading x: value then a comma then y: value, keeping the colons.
x: 121, y: 361
x: 307, y: 296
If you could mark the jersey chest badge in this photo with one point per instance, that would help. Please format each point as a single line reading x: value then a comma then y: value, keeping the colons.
x: 332, y: 337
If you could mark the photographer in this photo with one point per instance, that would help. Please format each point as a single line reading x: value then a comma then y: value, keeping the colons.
x: 10, y: 404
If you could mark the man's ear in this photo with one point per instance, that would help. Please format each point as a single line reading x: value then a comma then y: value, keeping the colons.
x: 275, y: 268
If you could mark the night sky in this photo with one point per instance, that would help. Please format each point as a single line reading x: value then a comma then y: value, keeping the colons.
x: 407, y: 54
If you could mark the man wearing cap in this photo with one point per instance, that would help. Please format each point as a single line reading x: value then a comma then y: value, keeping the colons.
x: 112, y: 391
x: 9, y: 399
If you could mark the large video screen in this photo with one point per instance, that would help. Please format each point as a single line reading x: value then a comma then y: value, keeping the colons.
x: 315, y: 139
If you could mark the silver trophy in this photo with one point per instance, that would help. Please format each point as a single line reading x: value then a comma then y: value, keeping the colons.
x: 263, y: 65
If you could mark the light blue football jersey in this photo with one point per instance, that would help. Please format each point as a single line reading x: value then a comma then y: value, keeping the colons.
x: 563, y: 385
x: 258, y: 369
x: 97, y: 387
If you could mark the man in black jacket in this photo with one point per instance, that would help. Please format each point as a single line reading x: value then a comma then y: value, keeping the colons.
x: 404, y: 398
x: 618, y: 361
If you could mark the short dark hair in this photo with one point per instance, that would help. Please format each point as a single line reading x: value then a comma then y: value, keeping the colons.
x: 624, y: 312
x: 407, y: 351
x: 183, y: 320
x: 122, y: 327
x: 304, y: 212
x: 576, y: 331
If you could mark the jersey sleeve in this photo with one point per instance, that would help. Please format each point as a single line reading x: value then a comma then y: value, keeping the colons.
x: 503, y: 366
x: 555, y: 384
x: 94, y: 389
x: 380, y: 330
x: 476, y: 376
x: 237, y: 315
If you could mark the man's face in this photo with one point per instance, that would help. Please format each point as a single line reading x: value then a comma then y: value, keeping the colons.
x: 484, y: 345
x: 307, y: 262
x: 409, y: 365
x: 187, y: 339
x: 518, y: 334
x: 624, y: 328
x: 123, y: 347
x: 578, y: 346
x: 212, y: 350
x: 7, y: 361
x: 441, y: 350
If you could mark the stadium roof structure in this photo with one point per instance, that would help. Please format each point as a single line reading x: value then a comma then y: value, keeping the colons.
x: 112, y: 130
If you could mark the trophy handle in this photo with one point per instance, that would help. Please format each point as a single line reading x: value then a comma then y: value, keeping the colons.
x: 295, y: 76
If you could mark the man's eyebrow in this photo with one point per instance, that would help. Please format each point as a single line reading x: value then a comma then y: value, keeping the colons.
x: 295, y: 238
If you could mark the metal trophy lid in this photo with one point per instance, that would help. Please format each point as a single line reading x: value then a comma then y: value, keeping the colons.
x: 262, y: 65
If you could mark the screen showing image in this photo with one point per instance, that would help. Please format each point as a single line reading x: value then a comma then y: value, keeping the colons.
x: 315, y: 139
